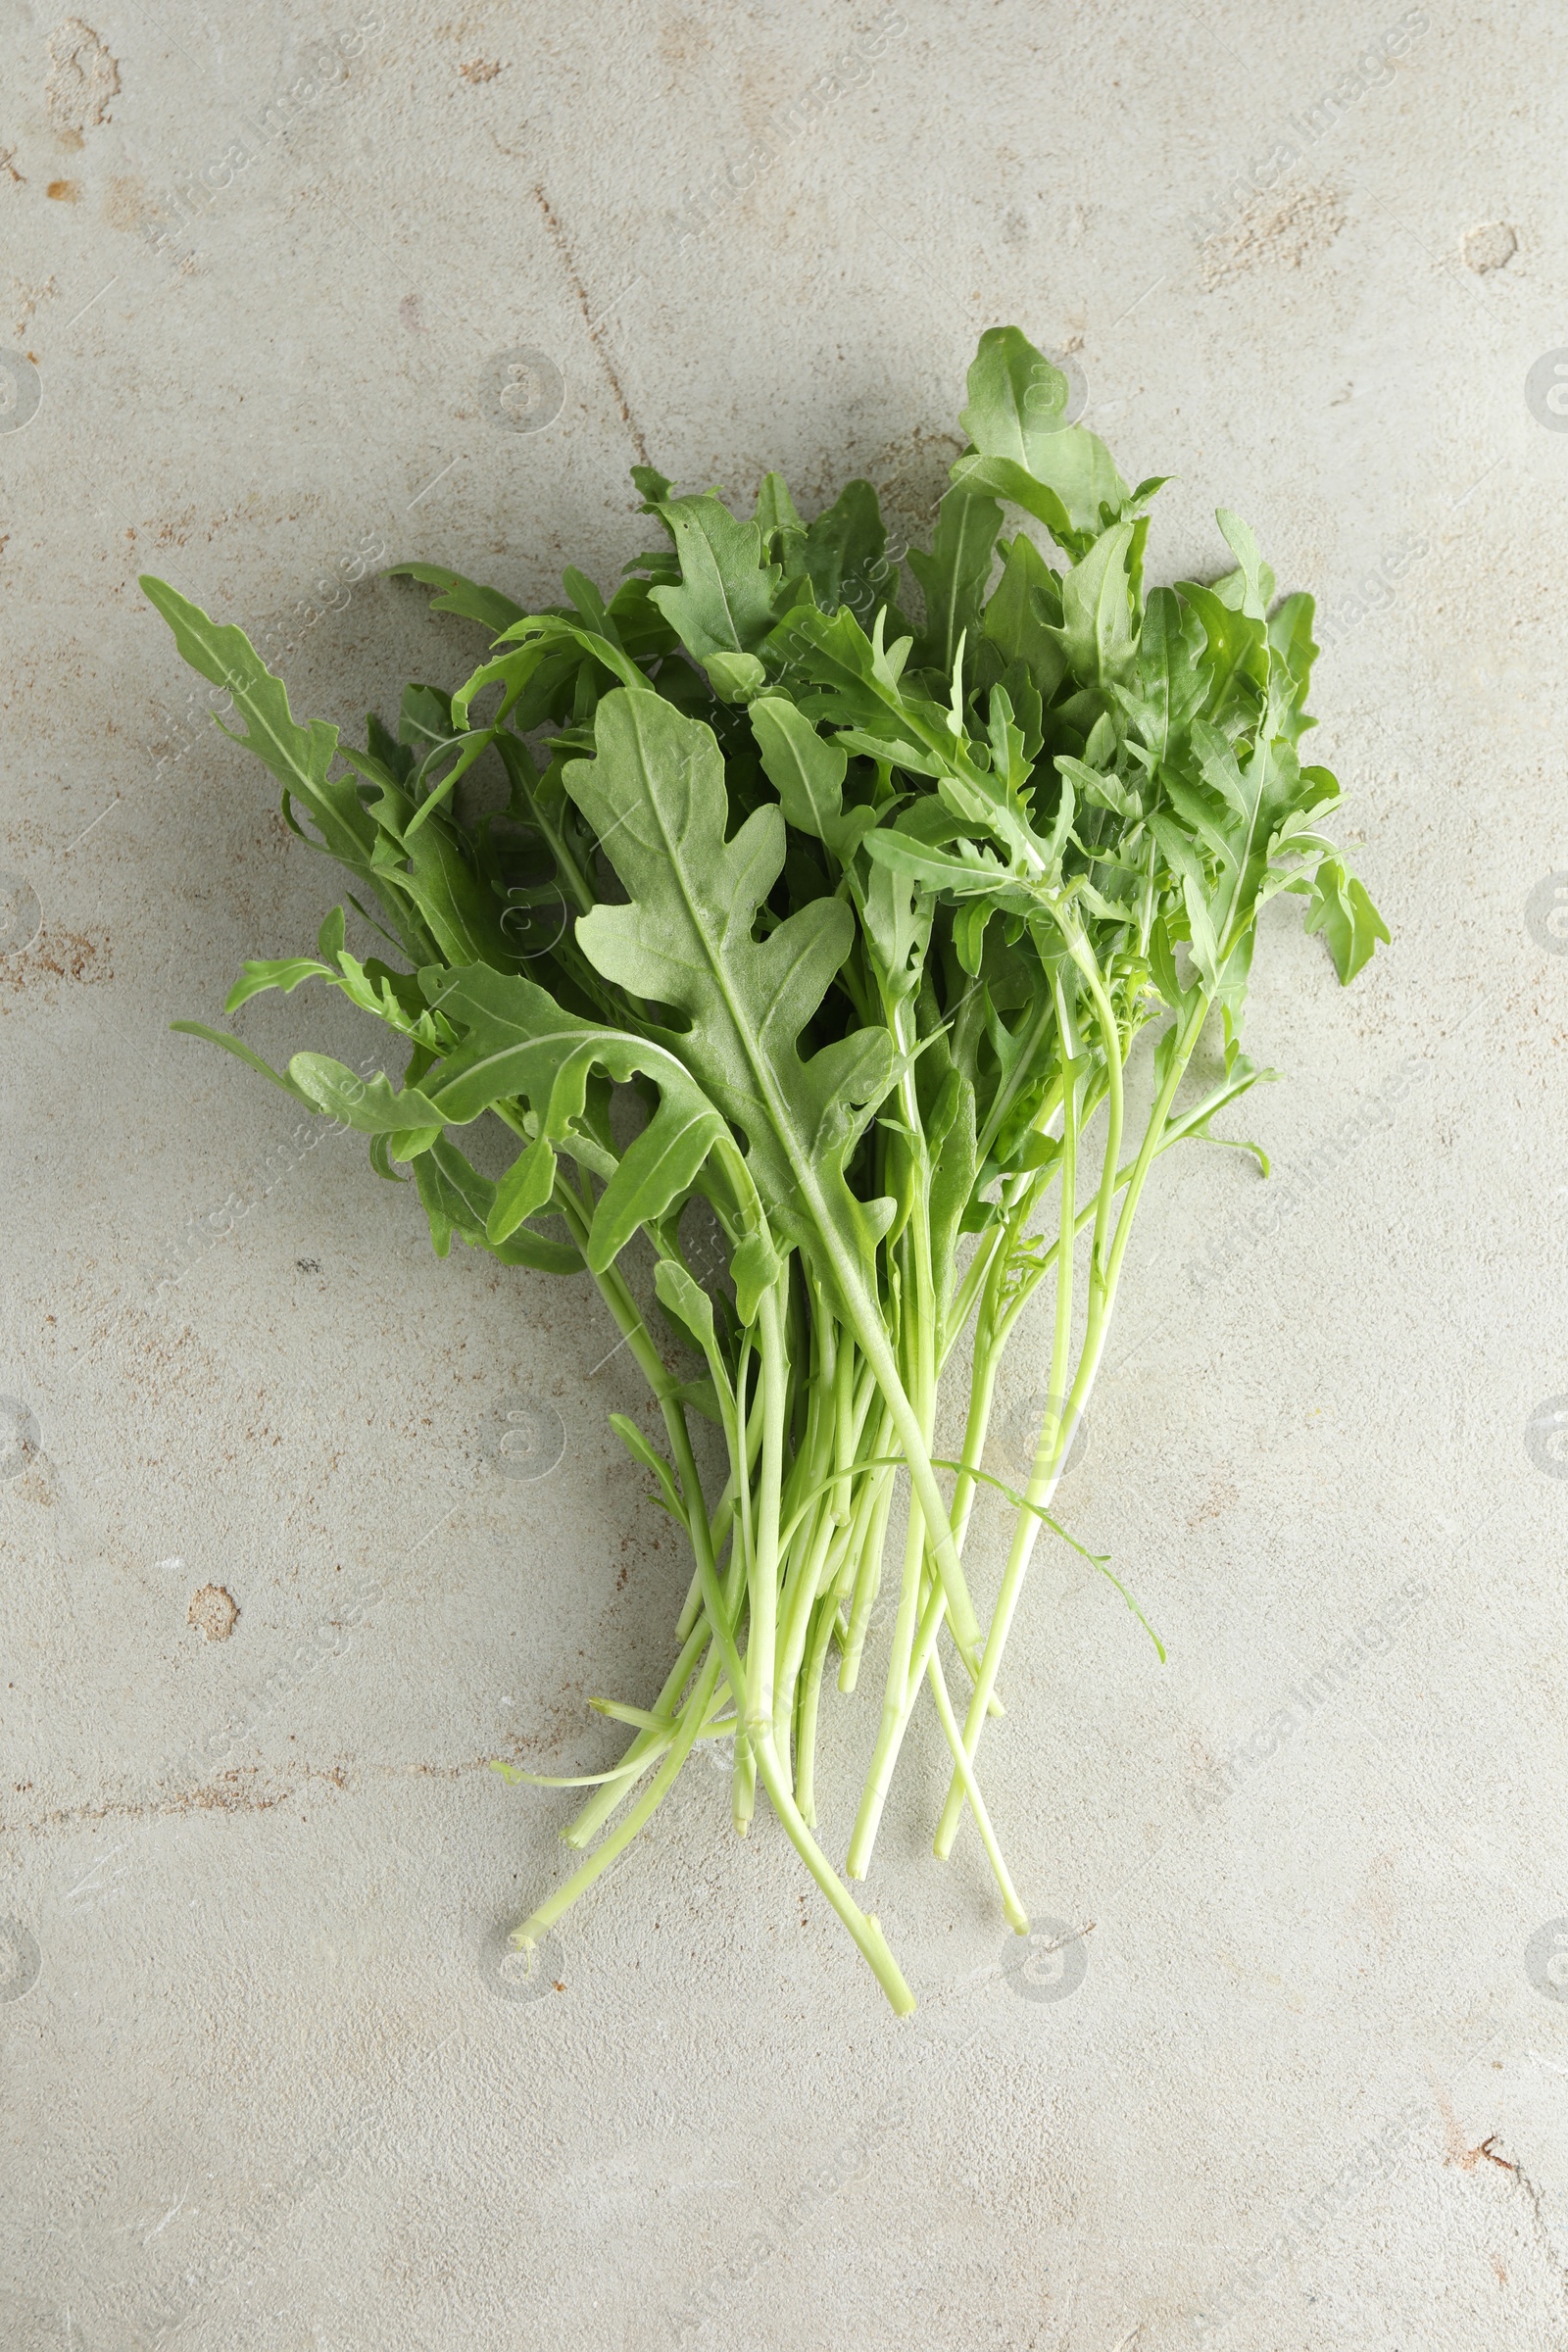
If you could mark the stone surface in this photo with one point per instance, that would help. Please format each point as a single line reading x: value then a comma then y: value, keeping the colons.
x: 292, y: 291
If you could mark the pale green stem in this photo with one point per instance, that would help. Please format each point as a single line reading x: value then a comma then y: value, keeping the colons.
x: 1016, y: 1916
x: 876, y: 1499
x: 894, y: 1704
x: 762, y: 1589
x: 545, y: 1915
x: 865, y: 1930
x: 585, y: 1825
x: 862, y: 1926
x: 820, y: 1550
x: 1047, y: 1462
x: 811, y: 1690
x: 909, y: 1665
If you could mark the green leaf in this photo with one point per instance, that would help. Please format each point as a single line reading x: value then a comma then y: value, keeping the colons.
x: 286, y: 973
x: 1241, y: 1075
x: 539, y: 643
x: 856, y: 677
x: 1163, y: 966
x: 655, y: 794
x: 895, y: 914
x: 424, y: 723
x: 587, y: 600
x: 635, y: 621
x: 300, y: 757
x: 637, y: 1445
x: 424, y: 720
x: 843, y: 548
x: 1016, y: 399
x: 1260, y: 795
x: 726, y: 602
x: 999, y: 477
x: 1169, y: 680
x: 1023, y: 609
x: 1097, y: 633
x: 487, y: 606
x: 1203, y: 930
x: 953, y: 576
x: 522, y: 1191
x: 520, y: 1045
x: 1097, y: 786
x: 1244, y: 547
x: 388, y: 754
x: 380, y: 1159
x: 684, y: 1297
x: 701, y: 1396
x: 735, y: 677
x: 807, y: 774
x: 964, y: 870
x: 1238, y: 642
x: 1342, y: 911
x: 242, y: 1053
x: 370, y: 1106
x: 653, y: 486
x: 430, y: 893
x: 463, y: 917
x: 783, y: 531
x: 913, y: 757
x: 969, y: 933
x: 1290, y: 637
x: 951, y: 1131
x: 458, y: 1200
x: 755, y: 1267
x: 1204, y: 815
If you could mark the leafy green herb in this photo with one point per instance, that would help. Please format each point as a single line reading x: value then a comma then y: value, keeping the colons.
x: 872, y: 922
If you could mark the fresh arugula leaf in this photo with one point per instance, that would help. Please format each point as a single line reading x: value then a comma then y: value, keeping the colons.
x: 1345, y: 914
x: 727, y: 599
x: 487, y: 606
x: 655, y: 796
x: 1097, y: 635
x: 844, y: 547
x: 521, y: 1046
x: 1016, y: 399
x: 1023, y: 615
x: 953, y: 578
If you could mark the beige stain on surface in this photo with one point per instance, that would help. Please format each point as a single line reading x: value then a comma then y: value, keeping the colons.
x: 683, y: 39
x: 1378, y: 1905
x: 125, y: 204
x: 1224, y: 1496
x: 27, y: 300
x: 82, y: 78
x: 213, y: 1611
x: 57, y: 954
x: 1287, y: 233
x: 1491, y: 246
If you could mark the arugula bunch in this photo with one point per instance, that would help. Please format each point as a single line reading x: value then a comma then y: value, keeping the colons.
x: 862, y: 915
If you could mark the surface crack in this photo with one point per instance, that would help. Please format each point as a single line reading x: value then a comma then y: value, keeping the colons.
x: 1548, y: 2244
x: 562, y: 246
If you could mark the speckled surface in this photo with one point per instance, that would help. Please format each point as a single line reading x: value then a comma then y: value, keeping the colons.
x: 1301, y: 2080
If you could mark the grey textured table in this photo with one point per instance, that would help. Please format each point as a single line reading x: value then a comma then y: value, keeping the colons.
x: 297, y: 291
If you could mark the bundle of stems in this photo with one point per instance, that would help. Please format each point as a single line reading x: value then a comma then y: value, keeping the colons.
x: 856, y: 921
